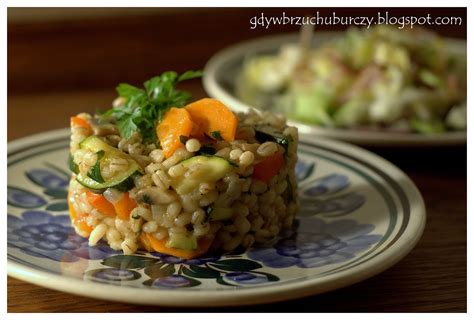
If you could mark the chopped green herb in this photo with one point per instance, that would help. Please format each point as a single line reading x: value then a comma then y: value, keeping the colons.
x: 95, y: 173
x: 145, y: 107
x: 183, y: 139
x: 146, y: 199
x: 264, y: 134
x: 216, y: 135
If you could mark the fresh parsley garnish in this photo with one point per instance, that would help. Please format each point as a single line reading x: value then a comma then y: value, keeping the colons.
x: 145, y: 107
x: 94, y: 173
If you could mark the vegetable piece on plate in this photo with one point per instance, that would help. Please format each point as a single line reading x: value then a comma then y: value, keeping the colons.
x: 177, y: 123
x: 213, y: 119
x: 81, y: 123
x: 200, y: 169
x: 78, y: 220
x: 153, y: 244
x: 107, y: 156
x: 269, y: 167
x: 99, y: 202
x: 124, y: 206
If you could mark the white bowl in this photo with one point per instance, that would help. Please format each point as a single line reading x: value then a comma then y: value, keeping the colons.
x: 221, y: 71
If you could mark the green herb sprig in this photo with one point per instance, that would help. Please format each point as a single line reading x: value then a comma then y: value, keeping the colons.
x: 143, y: 108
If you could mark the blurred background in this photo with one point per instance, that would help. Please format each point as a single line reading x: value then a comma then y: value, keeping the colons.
x: 62, y: 61
x: 71, y: 59
x: 74, y: 49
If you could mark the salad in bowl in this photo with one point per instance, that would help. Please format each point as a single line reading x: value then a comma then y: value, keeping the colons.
x: 382, y: 79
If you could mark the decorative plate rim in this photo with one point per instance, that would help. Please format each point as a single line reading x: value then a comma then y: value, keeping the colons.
x: 378, y: 138
x: 254, y: 295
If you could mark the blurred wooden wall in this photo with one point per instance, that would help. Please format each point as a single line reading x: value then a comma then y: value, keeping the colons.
x: 57, y: 49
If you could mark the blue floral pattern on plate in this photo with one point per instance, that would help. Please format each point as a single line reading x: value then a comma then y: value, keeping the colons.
x: 196, y: 261
x: 317, y: 243
x: 323, y: 195
x: 19, y: 197
x: 314, y: 243
x: 41, y: 234
x: 329, y: 172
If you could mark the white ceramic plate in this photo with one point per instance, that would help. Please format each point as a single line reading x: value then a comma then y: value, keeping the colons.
x: 221, y: 71
x: 359, y: 215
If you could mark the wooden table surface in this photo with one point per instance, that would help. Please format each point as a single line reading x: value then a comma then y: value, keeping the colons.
x: 432, y: 278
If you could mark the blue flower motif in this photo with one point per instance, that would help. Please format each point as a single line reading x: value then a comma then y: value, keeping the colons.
x: 332, y: 207
x: 327, y: 184
x: 209, y: 257
x: 317, y: 243
x: 40, y: 234
x: 54, y: 183
x: 174, y: 281
x: 320, y: 196
x: 48, y: 179
x: 245, y: 278
x: 23, y: 198
x: 303, y: 169
x: 112, y: 275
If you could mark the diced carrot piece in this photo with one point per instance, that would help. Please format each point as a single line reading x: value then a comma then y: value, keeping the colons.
x: 176, y: 122
x: 152, y: 244
x: 124, y: 206
x: 210, y: 116
x: 72, y: 212
x: 269, y: 167
x: 79, y: 122
x: 80, y: 221
x: 99, y: 202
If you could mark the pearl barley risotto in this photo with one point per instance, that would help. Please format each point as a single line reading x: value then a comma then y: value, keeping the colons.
x: 160, y: 174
